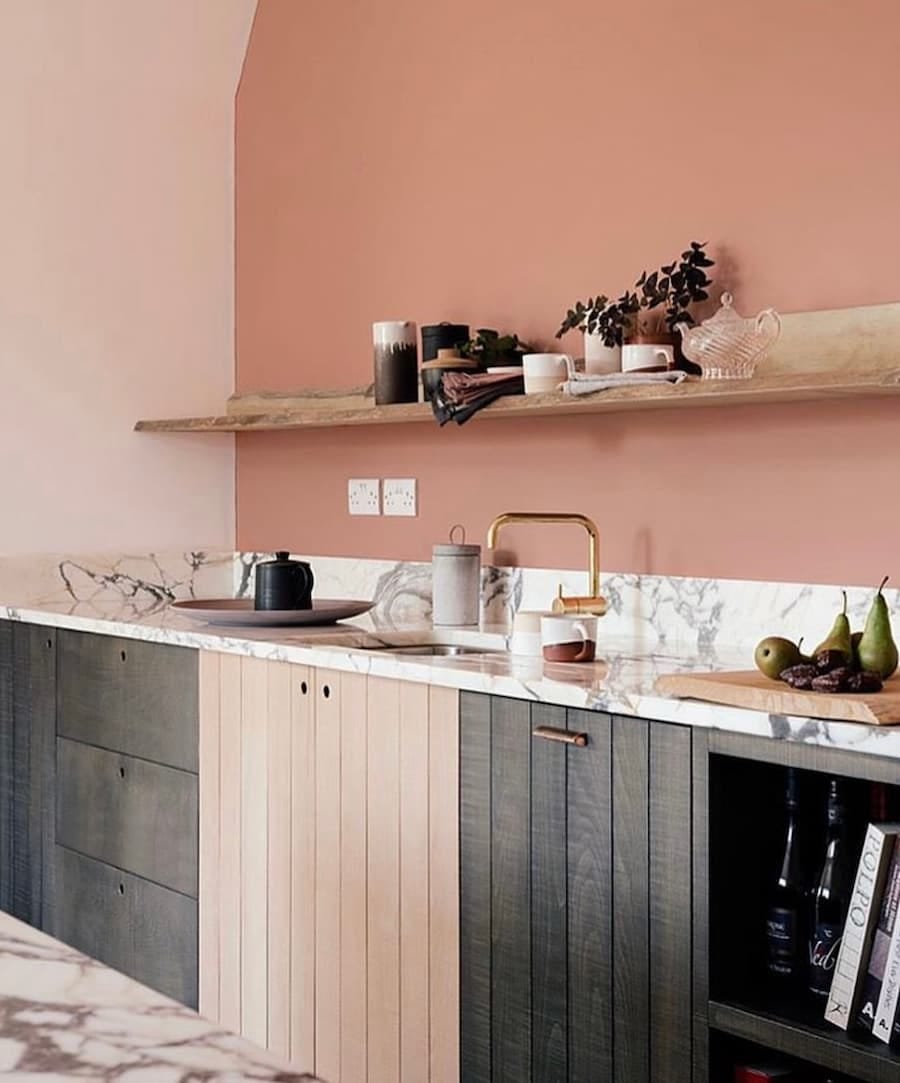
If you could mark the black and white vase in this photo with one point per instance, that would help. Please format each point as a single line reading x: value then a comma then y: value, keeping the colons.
x: 396, y: 361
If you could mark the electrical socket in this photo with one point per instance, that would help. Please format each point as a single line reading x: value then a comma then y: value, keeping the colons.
x: 399, y: 496
x: 364, y: 496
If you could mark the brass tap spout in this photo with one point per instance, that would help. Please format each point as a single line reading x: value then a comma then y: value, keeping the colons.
x: 593, y: 603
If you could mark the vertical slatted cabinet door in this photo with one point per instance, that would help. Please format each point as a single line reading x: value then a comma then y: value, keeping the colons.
x: 254, y: 848
x: 383, y: 905
x: 278, y: 792
x: 549, y: 898
x: 670, y: 902
x: 631, y: 899
x: 303, y: 868
x: 443, y: 876
x: 354, y: 968
x: 475, y: 887
x: 590, y: 909
x: 328, y: 739
x: 510, y: 797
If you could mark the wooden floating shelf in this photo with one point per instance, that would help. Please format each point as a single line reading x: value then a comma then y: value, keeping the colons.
x: 870, y: 1061
x: 793, y: 387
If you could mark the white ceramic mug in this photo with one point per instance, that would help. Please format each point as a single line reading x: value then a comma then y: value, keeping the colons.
x: 544, y: 371
x: 526, y: 634
x: 600, y: 359
x: 646, y: 357
x: 569, y: 638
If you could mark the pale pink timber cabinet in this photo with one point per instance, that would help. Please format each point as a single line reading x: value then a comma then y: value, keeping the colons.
x: 329, y: 856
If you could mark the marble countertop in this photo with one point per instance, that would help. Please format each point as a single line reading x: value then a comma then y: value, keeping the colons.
x: 621, y: 681
x: 65, y: 1016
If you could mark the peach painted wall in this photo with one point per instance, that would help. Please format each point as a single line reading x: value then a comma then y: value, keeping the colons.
x: 491, y: 162
x: 116, y: 269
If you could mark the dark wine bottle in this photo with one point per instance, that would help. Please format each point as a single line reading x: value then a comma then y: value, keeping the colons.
x: 785, y: 954
x: 830, y: 897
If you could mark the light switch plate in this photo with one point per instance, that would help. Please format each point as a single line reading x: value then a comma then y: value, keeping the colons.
x: 399, y: 496
x: 364, y: 496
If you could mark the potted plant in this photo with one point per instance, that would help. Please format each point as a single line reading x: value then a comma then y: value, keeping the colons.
x: 603, y: 323
x: 493, y: 350
x: 664, y: 299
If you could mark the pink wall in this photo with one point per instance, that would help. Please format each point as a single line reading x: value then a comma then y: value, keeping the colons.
x: 491, y: 163
x: 116, y: 269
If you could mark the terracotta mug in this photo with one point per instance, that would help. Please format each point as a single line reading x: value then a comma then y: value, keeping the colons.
x: 569, y: 638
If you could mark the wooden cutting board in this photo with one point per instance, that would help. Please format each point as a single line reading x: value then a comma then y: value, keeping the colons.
x: 751, y: 689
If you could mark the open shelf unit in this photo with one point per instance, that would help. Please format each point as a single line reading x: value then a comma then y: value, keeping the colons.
x: 283, y: 412
x: 814, y: 1043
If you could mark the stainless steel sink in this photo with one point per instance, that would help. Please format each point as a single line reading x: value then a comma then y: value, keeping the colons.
x: 434, y: 650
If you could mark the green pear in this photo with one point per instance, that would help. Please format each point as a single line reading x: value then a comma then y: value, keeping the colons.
x: 774, y: 654
x: 838, y: 639
x: 854, y: 645
x: 877, y: 650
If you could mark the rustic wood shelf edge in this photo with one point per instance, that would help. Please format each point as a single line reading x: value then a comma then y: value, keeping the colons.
x: 807, y: 387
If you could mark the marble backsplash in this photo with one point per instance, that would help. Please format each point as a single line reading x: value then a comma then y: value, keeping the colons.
x: 651, y: 612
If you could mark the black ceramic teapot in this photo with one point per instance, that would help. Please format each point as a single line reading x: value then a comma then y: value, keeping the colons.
x: 283, y: 583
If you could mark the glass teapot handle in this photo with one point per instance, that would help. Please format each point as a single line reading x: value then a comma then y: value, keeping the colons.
x: 771, y: 315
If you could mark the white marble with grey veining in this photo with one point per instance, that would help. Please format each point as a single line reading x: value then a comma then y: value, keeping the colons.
x: 655, y: 625
x: 64, y: 1016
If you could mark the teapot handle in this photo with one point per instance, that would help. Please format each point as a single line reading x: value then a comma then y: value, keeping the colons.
x: 772, y: 315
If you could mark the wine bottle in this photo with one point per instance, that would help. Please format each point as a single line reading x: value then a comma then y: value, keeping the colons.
x: 830, y: 896
x: 784, y: 921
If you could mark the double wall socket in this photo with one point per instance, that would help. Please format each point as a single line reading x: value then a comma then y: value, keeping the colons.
x: 364, y: 496
x: 368, y: 496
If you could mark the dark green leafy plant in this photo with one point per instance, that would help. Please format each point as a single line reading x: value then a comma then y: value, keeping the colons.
x: 600, y: 315
x: 677, y: 285
x: 674, y: 287
x: 490, y: 348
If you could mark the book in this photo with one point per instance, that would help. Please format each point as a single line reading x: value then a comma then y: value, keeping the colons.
x: 883, y: 1023
x: 863, y: 916
x: 881, y: 942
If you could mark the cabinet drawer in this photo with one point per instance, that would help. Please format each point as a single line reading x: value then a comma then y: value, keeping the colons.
x: 129, y: 696
x: 133, y: 814
x: 139, y: 928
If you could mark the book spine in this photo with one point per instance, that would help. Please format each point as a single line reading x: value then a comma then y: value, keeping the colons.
x: 881, y: 942
x: 890, y: 990
x: 859, y: 927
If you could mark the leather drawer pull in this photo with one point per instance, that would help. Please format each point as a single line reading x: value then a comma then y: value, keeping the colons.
x: 549, y: 733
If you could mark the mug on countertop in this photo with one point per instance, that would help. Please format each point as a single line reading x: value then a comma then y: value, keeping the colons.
x: 544, y: 371
x: 526, y: 633
x: 569, y: 638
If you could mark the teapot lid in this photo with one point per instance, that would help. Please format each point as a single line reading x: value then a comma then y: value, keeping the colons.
x: 282, y: 556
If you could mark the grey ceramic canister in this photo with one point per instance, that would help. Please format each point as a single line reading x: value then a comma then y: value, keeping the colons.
x: 456, y: 584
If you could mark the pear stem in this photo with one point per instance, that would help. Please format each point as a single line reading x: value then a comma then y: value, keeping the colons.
x: 844, y: 594
x: 883, y: 581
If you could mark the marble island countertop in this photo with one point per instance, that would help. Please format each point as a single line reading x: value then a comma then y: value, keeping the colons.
x: 621, y: 681
x: 65, y: 1016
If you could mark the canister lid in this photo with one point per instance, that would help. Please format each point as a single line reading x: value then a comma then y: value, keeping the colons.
x: 457, y: 550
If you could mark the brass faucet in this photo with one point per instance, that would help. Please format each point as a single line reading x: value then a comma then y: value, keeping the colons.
x: 592, y: 603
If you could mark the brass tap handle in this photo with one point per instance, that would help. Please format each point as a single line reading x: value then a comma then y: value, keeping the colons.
x: 550, y: 733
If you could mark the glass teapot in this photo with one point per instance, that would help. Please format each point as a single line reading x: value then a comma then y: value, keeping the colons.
x: 728, y: 346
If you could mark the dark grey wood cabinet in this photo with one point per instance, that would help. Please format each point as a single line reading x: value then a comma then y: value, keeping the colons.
x: 99, y: 798
x: 575, y: 881
x: 125, y: 854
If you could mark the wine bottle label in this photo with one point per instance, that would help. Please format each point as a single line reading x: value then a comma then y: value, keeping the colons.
x: 781, y: 938
x: 823, y: 952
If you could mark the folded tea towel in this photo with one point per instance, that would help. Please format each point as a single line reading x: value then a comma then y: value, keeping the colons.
x: 580, y: 383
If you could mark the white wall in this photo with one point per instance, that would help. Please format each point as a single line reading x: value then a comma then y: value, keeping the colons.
x: 116, y: 269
